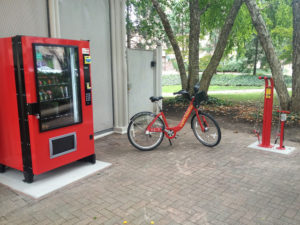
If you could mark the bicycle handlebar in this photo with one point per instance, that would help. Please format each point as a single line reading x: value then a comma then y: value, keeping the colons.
x: 282, y: 111
x: 181, y: 92
x: 184, y: 93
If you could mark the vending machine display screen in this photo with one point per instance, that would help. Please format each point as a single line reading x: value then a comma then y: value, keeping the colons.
x: 58, y: 89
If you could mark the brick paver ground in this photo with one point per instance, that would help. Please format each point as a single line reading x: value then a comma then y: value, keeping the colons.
x: 186, y: 183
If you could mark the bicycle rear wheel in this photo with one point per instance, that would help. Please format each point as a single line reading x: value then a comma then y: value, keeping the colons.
x: 211, y: 136
x: 139, y: 137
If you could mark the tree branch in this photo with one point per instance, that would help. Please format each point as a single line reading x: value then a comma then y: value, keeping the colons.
x: 202, y: 11
x: 296, y: 57
x: 269, y: 49
x: 221, y: 45
x: 173, y: 41
x: 194, y: 44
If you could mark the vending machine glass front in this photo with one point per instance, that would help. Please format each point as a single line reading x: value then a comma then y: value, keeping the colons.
x: 58, y: 85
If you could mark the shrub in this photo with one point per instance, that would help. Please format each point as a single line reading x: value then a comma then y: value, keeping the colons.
x: 216, y: 101
x: 239, y: 65
x: 203, y: 62
x: 225, y: 80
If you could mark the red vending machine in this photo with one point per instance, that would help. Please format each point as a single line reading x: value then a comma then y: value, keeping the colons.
x: 46, y: 114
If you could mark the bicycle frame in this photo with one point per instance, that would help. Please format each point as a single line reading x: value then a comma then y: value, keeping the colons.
x: 170, y: 132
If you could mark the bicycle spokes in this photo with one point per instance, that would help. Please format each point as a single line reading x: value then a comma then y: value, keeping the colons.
x: 142, y: 135
x: 206, y: 130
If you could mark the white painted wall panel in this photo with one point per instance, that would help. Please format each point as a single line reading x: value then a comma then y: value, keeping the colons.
x: 141, y: 78
x: 23, y: 17
x: 89, y: 20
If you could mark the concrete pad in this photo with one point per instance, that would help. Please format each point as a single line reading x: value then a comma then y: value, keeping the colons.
x: 288, y: 150
x: 103, y: 135
x: 50, y: 181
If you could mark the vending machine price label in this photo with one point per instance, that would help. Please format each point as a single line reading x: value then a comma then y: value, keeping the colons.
x: 85, y: 51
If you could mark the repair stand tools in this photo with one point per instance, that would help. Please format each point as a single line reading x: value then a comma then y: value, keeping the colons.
x: 257, y: 133
x: 281, y: 134
x: 264, y: 143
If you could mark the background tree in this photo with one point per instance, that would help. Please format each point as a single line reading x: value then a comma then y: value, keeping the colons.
x: 171, y: 21
x: 179, y: 21
x: 176, y: 14
x: 197, y: 10
x: 221, y: 45
x: 277, y: 15
x: 268, y: 47
x: 143, y: 25
x: 195, y: 14
x: 254, y: 54
x: 172, y: 39
x: 296, y: 57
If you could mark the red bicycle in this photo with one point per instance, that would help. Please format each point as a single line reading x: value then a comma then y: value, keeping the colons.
x: 146, y: 130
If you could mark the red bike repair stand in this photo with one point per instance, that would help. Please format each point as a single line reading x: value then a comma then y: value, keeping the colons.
x: 281, y: 134
x: 267, y: 123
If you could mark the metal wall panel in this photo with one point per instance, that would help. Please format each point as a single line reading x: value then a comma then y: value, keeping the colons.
x: 23, y: 17
x: 89, y: 20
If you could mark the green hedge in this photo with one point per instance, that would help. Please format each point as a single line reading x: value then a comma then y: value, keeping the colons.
x: 225, y: 80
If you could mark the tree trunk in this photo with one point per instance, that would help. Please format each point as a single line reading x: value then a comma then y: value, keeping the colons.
x: 193, y: 76
x: 268, y: 47
x: 295, y: 107
x: 127, y: 25
x: 221, y: 45
x: 255, y: 57
x: 172, y: 39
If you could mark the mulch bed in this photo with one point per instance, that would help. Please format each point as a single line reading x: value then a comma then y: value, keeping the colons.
x: 249, y: 114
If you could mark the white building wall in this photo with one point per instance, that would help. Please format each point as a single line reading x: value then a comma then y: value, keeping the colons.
x: 23, y: 17
x: 119, y: 67
x: 90, y: 20
x: 100, y: 21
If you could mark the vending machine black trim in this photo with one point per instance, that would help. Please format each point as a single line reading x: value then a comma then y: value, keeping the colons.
x: 22, y: 109
x: 33, y: 109
x: 87, y: 80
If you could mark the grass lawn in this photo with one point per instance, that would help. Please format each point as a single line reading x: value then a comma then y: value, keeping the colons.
x: 242, y: 98
x: 245, y: 97
x: 174, y: 88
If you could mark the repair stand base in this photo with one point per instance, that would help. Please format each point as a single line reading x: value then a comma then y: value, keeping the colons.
x: 287, y: 151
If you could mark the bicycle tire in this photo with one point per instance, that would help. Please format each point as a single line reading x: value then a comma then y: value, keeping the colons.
x: 200, y: 135
x: 143, y: 119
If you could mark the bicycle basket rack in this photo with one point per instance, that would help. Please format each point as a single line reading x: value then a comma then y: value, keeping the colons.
x: 200, y: 97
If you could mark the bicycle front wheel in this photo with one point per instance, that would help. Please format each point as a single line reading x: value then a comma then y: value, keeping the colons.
x: 210, y: 135
x: 138, y: 135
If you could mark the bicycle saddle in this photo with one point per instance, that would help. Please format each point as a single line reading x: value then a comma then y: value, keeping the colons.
x: 155, y: 99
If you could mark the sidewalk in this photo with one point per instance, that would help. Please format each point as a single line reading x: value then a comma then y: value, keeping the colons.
x: 185, y: 184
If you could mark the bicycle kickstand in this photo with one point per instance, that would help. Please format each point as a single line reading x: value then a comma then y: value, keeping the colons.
x: 170, y: 142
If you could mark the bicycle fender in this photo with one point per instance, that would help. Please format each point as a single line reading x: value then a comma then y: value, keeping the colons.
x: 141, y: 113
